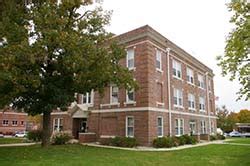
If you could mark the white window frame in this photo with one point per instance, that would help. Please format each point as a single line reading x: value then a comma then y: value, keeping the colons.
x: 4, y: 122
x: 190, y: 76
x: 131, y: 126
x: 160, y: 128
x: 176, y: 66
x: 193, y: 123
x: 201, y: 81
x: 127, y: 98
x: 178, y: 94
x: 132, y: 51
x: 203, y: 127
x: 111, y: 94
x: 159, y: 59
x: 178, y: 127
x: 88, y: 95
x: 14, y: 124
x: 191, y: 101
x: 59, y: 120
x: 202, y: 105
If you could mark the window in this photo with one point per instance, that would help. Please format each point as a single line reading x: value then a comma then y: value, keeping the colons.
x: 160, y: 126
x: 212, y: 127
x: 178, y: 98
x: 202, y: 104
x: 14, y: 123
x: 203, y: 127
x: 130, y: 95
x: 190, y: 76
x: 191, y: 101
x: 58, y: 124
x: 5, y: 122
x: 176, y: 69
x: 129, y: 126
x: 130, y: 59
x: 158, y: 60
x: 192, y: 126
x: 22, y: 123
x: 114, y: 94
x: 201, y: 82
x: 88, y: 98
x: 179, y: 126
x: 159, y: 92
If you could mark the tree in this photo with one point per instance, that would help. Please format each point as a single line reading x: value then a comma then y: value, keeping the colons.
x: 59, y: 51
x: 236, y: 60
x: 244, y: 116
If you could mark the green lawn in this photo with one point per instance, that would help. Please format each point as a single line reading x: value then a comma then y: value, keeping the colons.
x: 11, y: 140
x: 228, y: 155
x: 239, y: 140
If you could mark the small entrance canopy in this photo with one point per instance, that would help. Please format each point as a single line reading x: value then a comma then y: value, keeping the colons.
x: 79, y: 111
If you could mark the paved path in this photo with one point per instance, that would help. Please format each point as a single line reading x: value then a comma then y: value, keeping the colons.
x: 231, y: 143
x: 17, y: 144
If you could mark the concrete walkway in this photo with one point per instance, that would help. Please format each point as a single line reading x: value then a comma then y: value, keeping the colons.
x: 17, y: 144
x: 140, y: 148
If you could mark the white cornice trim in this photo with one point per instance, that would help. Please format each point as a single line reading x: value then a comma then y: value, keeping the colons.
x: 59, y: 113
x: 14, y: 113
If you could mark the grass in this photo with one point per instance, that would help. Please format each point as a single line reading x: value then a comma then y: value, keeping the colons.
x: 239, y: 140
x: 228, y: 155
x: 11, y: 140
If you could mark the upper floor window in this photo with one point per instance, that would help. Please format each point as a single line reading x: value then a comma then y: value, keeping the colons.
x: 190, y: 76
x: 130, y: 95
x: 160, y: 126
x: 114, y: 94
x: 58, y: 124
x: 191, y: 101
x: 202, y: 104
x: 129, y: 126
x: 22, y: 123
x: 176, y: 69
x: 178, y: 98
x: 88, y: 98
x: 130, y: 59
x: 203, y: 127
x: 179, y: 127
x: 158, y: 60
x: 201, y: 82
x: 5, y: 122
x: 14, y: 123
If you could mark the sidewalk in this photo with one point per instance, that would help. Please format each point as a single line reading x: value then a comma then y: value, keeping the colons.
x: 17, y: 144
x: 145, y: 149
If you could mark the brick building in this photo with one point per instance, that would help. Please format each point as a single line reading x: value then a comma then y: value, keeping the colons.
x: 12, y: 122
x: 175, y: 95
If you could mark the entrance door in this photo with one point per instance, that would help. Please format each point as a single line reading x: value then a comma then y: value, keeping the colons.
x: 83, y: 125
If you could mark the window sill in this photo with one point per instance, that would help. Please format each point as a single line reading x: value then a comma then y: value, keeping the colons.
x: 201, y: 88
x: 190, y: 83
x: 132, y: 68
x: 178, y: 106
x: 178, y: 78
x: 130, y: 103
x: 191, y: 109
x: 160, y: 104
x: 110, y: 104
x: 202, y: 111
x: 159, y: 70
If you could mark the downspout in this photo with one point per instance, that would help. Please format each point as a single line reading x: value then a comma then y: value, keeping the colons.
x: 169, y: 93
x: 208, y: 106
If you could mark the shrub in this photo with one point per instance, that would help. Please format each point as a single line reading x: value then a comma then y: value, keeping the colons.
x: 176, y: 141
x: 189, y: 139
x: 221, y: 137
x: 163, y: 142
x: 213, y: 137
x: 34, y: 135
x: 124, y: 142
x: 60, y: 138
x: 182, y: 140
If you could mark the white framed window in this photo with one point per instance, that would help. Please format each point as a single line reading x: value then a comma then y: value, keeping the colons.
x: 22, y: 123
x: 158, y: 60
x: 14, y: 123
x: 58, y: 124
x: 114, y: 90
x: 178, y: 98
x: 160, y: 126
x: 130, y: 59
x: 192, y: 126
x: 130, y: 97
x: 191, y: 102
x: 88, y: 98
x: 202, y: 104
x: 179, y: 127
x: 130, y: 126
x: 190, y: 76
x: 5, y: 122
x: 203, y: 127
x: 177, y: 69
x: 201, y: 82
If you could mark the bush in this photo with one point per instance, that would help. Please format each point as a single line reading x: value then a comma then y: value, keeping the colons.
x: 176, y: 141
x: 123, y: 142
x: 220, y: 137
x: 182, y: 140
x: 213, y: 137
x: 34, y: 135
x: 189, y: 139
x: 60, y: 138
x: 163, y: 142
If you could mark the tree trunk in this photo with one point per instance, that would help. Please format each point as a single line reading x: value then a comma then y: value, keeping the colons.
x: 46, y: 129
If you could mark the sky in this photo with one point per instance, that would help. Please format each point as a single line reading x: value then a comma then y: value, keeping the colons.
x: 198, y: 26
